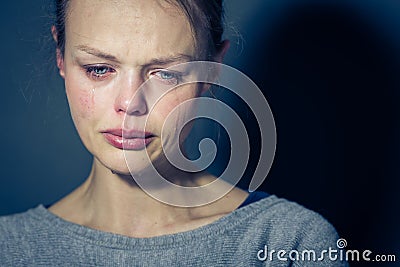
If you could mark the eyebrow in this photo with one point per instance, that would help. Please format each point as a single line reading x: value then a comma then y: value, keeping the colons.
x: 97, y: 53
x: 155, y: 61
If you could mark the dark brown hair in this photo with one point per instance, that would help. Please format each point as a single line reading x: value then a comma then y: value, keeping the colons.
x: 205, y: 18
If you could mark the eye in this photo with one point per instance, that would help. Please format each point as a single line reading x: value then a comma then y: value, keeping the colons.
x: 99, y: 72
x: 167, y: 77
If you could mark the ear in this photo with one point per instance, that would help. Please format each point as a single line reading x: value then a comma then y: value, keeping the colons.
x: 59, y: 56
x: 219, y: 57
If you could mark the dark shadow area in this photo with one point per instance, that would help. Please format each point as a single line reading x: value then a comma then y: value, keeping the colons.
x: 332, y: 83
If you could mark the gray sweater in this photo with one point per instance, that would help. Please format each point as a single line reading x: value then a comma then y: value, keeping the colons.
x: 249, y: 236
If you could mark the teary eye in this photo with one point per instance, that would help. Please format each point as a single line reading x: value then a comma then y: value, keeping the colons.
x: 99, y: 72
x: 167, y: 77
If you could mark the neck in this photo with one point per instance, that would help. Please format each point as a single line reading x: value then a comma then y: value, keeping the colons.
x: 115, y: 203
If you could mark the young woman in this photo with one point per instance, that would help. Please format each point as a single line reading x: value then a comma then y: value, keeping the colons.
x: 106, y: 50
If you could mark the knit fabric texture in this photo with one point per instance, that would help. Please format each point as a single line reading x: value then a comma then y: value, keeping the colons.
x: 249, y: 236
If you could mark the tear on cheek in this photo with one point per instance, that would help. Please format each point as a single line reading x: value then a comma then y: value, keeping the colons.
x: 86, y: 105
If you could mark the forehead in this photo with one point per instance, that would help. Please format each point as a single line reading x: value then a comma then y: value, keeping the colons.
x: 129, y: 27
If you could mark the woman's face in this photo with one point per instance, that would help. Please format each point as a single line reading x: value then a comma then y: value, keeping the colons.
x: 111, y: 49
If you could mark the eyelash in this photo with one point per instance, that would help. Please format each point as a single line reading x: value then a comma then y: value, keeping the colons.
x: 105, y: 71
x: 174, y: 79
x: 91, y: 72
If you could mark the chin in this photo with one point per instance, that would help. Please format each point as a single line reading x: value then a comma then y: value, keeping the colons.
x: 128, y: 162
x: 116, y: 167
x: 120, y: 166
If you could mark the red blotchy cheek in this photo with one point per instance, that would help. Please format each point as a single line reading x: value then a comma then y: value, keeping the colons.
x: 80, y: 94
x: 81, y: 103
x: 86, y: 104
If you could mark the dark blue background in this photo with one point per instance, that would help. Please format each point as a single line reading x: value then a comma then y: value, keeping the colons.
x: 329, y: 69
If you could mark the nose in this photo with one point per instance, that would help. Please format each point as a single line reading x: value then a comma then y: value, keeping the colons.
x: 130, y: 99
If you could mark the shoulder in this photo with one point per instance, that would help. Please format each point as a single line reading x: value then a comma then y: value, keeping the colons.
x: 273, y: 209
x: 281, y: 215
x: 19, y: 226
x: 10, y: 224
x: 19, y: 235
x: 289, y: 214
x: 275, y: 224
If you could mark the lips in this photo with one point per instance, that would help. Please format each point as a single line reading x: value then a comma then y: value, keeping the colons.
x: 128, y: 139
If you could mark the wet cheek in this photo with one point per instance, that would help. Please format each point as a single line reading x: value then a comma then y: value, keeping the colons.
x: 81, y: 101
x: 86, y: 103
